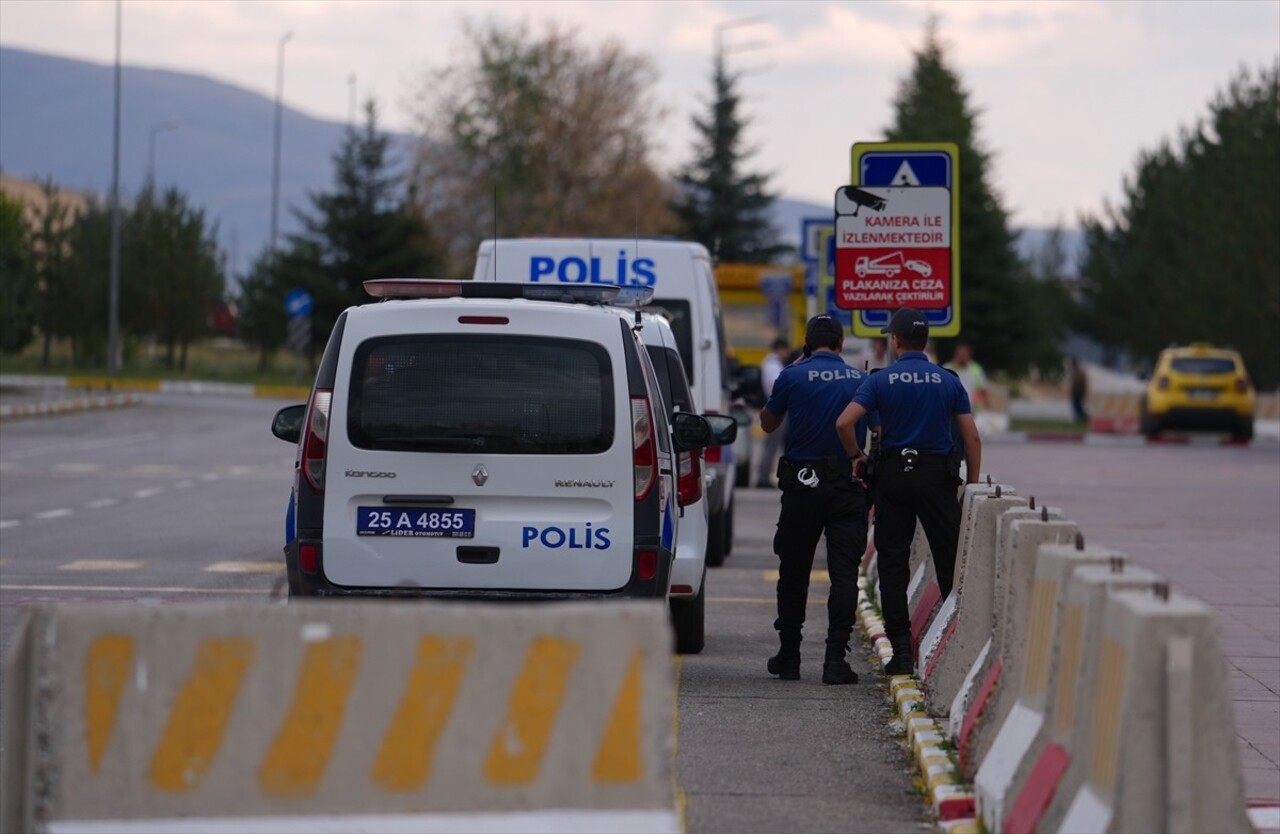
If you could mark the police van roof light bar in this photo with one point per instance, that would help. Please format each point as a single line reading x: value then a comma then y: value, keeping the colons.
x: 386, y: 288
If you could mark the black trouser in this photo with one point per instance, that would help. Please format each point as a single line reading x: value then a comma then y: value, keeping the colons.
x: 927, y: 492
x: 839, y: 509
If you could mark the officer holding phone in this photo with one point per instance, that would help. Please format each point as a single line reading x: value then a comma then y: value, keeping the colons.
x: 819, y: 495
x: 917, y: 473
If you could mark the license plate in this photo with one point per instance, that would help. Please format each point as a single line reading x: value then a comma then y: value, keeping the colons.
x: 416, y: 522
x: 1202, y: 393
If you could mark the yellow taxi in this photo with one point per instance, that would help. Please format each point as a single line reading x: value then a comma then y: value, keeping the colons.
x: 1199, y: 387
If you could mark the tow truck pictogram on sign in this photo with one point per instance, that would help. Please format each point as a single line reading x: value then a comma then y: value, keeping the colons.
x: 890, y: 265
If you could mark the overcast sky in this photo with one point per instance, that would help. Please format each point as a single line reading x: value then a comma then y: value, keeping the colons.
x: 1068, y: 91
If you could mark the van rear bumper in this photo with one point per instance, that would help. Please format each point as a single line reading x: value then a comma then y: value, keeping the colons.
x: 303, y: 584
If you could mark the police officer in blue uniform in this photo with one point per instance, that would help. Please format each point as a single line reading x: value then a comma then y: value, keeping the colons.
x: 917, y: 471
x: 819, y: 494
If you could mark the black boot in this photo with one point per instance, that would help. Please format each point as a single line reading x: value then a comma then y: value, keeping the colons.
x: 902, y: 662
x: 786, y: 663
x: 835, y: 669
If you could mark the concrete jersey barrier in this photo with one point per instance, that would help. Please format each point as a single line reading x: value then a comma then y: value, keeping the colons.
x: 949, y: 653
x: 339, y: 716
x: 1162, y: 748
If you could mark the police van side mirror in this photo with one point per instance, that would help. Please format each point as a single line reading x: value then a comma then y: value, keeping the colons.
x: 287, y: 424
x: 724, y: 429
x: 690, y: 431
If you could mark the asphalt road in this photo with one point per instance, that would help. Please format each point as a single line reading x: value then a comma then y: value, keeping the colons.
x: 182, y: 498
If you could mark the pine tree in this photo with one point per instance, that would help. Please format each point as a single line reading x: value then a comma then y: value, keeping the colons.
x: 1191, y: 253
x: 720, y: 205
x: 998, y: 314
x: 365, y: 228
x: 17, y: 278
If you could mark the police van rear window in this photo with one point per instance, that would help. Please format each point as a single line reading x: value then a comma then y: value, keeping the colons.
x: 482, y: 394
x: 677, y: 312
x: 666, y: 364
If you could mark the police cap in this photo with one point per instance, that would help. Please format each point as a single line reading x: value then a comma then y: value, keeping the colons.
x: 823, y: 331
x: 908, y: 324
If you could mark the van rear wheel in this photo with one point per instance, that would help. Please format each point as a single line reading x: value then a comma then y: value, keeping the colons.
x: 688, y: 619
x: 716, y: 549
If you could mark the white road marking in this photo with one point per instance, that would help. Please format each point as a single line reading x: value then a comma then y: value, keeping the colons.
x: 7, y: 523
x: 78, y: 468
x: 244, y: 567
x: 185, y: 483
x: 238, y: 471
x: 101, y: 564
x: 99, y: 503
x: 148, y: 492
x: 115, y: 589
x: 85, y: 445
x: 209, y: 476
x: 58, y: 513
x: 153, y: 469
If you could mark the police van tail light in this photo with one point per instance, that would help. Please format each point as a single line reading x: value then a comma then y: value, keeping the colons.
x: 714, y: 453
x: 315, y: 438
x: 689, y: 484
x: 644, y: 446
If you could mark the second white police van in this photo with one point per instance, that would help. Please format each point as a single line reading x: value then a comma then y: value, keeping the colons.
x: 473, y: 440
x: 683, y: 282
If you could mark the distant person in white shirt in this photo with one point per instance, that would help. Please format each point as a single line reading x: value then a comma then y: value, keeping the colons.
x: 772, y: 365
x: 972, y: 377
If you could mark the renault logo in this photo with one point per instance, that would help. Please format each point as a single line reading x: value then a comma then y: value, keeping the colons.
x: 480, y: 475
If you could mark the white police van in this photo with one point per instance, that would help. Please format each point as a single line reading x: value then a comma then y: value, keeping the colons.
x: 470, y: 440
x: 683, y: 283
x: 689, y: 569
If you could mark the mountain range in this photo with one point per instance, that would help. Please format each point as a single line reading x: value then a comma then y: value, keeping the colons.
x: 212, y: 140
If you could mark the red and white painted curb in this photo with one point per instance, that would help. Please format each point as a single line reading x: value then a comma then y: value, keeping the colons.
x: 951, y: 799
x: 41, y: 409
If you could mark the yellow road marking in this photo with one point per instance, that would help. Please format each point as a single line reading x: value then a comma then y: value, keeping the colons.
x: 762, y: 600
x: 297, y: 759
x: 125, y: 589
x: 77, y: 468
x: 200, y: 714
x: 405, y: 759
x: 244, y: 567
x: 814, y: 576
x: 618, y: 757
x: 106, y: 669
x: 101, y: 564
x: 516, y: 750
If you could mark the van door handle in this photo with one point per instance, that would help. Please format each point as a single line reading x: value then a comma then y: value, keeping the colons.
x: 471, y: 555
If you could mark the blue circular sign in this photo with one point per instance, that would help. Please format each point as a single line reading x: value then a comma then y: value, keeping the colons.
x: 297, y: 303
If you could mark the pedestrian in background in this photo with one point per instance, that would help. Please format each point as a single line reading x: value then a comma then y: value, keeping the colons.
x: 778, y: 358
x: 971, y: 375
x: 1079, y: 391
x: 819, y: 496
x: 916, y: 473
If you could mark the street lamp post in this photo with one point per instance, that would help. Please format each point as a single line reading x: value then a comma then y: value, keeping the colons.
x: 113, y: 291
x: 158, y: 127
x: 275, y: 166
